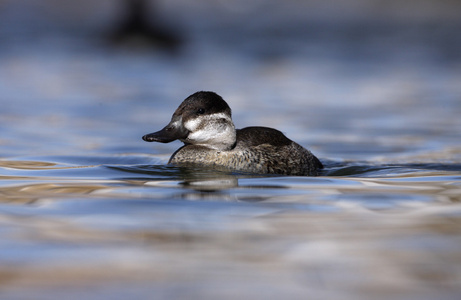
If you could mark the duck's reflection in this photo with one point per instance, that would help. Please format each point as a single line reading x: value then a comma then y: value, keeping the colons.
x: 212, y: 185
x: 207, y: 180
x: 203, y: 183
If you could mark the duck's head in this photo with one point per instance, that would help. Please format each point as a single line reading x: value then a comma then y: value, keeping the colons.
x: 204, y: 118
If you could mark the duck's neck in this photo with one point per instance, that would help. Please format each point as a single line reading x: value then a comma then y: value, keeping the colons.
x: 226, y: 140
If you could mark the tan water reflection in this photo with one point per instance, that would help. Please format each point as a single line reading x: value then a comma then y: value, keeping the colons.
x: 28, y: 194
x: 26, y: 165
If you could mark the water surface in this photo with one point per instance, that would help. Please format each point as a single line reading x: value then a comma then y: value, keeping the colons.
x: 89, y: 210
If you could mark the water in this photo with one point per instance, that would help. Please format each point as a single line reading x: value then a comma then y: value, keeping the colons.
x: 89, y: 210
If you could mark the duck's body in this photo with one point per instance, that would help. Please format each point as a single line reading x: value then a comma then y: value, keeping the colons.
x: 203, y: 122
x: 258, y: 150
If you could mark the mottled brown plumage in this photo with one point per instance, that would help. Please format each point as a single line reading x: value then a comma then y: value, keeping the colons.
x: 203, y: 122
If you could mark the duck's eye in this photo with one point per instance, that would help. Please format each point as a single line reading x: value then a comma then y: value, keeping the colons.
x: 200, y: 111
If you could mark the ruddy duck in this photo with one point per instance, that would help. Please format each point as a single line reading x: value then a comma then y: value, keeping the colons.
x: 203, y: 123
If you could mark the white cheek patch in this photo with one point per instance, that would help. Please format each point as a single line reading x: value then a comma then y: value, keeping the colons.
x: 193, y: 124
x: 201, y: 136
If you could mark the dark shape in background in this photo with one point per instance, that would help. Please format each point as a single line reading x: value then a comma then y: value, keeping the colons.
x: 139, y: 27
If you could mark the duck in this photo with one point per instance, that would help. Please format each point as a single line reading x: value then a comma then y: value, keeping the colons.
x: 203, y: 122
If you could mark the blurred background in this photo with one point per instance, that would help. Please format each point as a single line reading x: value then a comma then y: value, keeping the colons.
x: 89, y: 210
x: 97, y: 75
